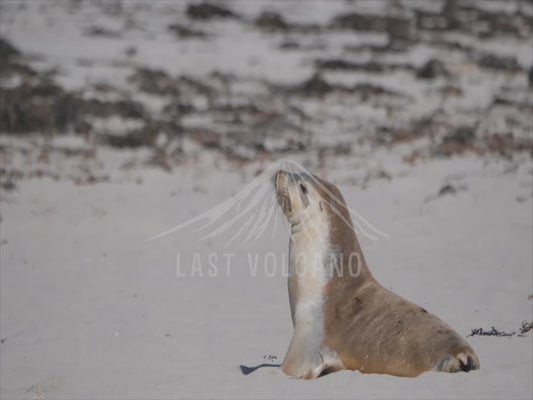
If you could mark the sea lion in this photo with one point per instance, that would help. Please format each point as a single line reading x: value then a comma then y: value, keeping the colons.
x: 343, y: 318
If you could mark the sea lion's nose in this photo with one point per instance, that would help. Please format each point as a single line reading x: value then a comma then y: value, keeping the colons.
x: 282, y: 179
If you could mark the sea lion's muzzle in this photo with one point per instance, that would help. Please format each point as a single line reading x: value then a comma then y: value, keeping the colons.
x: 282, y: 181
x: 293, y: 195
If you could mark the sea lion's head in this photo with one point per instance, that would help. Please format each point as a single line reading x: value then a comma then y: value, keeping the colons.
x: 299, y: 196
x: 306, y: 197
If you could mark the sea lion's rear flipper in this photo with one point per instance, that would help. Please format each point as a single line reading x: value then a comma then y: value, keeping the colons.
x: 303, y: 358
x: 464, y: 361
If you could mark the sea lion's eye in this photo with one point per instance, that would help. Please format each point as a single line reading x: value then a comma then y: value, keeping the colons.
x: 304, y: 188
x: 321, y: 205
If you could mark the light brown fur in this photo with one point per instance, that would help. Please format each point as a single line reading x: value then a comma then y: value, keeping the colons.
x: 370, y: 328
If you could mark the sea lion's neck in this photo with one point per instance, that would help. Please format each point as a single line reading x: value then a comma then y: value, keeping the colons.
x: 352, y: 267
x: 308, y: 249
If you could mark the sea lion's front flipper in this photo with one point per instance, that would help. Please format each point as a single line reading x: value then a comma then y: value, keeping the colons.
x: 303, y: 359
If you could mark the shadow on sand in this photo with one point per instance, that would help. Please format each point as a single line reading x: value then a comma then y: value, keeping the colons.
x: 248, y: 370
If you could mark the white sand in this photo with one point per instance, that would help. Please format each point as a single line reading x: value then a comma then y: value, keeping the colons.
x: 89, y: 310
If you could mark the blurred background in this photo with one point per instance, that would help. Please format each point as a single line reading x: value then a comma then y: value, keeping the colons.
x: 122, y: 119
x: 259, y: 80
